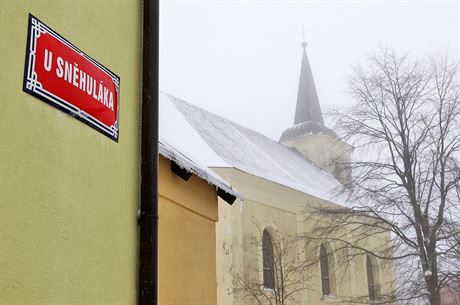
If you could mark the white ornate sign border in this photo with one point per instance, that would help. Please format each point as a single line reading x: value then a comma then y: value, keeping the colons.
x: 33, y: 86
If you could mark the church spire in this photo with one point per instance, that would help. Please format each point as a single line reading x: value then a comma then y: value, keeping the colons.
x: 308, y: 108
x: 309, y: 136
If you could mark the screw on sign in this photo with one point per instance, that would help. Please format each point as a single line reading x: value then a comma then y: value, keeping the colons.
x: 62, y: 75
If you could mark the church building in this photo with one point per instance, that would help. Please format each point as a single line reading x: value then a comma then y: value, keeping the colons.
x: 262, y: 257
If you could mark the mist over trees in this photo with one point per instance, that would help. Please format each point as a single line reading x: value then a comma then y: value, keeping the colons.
x: 405, y: 130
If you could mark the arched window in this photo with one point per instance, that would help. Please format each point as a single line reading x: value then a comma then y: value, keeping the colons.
x: 268, y: 261
x: 324, y: 261
x: 337, y: 171
x: 371, y: 286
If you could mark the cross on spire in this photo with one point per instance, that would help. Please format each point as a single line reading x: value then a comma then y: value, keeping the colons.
x: 304, y: 42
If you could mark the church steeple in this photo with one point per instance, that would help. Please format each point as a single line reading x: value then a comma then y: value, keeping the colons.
x: 309, y: 136
x: 308, y: 117
x: 308, y: 108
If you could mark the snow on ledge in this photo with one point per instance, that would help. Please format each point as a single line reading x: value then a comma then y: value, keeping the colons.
x: 173, y: 154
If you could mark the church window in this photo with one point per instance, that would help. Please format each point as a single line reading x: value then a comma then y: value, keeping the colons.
x: 324, y: 262
x: 337, y: 171
x: 268, y: 260
x: 371, y: 285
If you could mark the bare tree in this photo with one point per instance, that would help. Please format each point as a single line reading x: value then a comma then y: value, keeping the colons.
x: 405, y: 128
x: 281, y: 276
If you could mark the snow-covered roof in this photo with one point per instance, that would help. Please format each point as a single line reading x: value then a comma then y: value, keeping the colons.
x: 180, y: 143
x: 218, y: 142
x: 177, y: 132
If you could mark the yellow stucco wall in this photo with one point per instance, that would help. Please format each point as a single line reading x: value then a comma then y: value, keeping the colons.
x: 188, y: 212
x: 68, y: 194
x: 271, y: 205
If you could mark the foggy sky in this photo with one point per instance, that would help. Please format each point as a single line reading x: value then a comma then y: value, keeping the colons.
x: 241, y: 59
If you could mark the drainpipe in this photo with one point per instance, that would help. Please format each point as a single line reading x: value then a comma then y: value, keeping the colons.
x: 148, y: 216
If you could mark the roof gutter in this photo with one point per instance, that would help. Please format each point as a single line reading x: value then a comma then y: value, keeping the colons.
x: 148, y: 216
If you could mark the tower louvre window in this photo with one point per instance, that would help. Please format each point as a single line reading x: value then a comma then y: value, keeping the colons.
x: 371, y: 287
x: 324, y: 262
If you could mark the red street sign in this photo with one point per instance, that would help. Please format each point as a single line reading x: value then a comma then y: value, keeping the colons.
x: 60, y: 74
